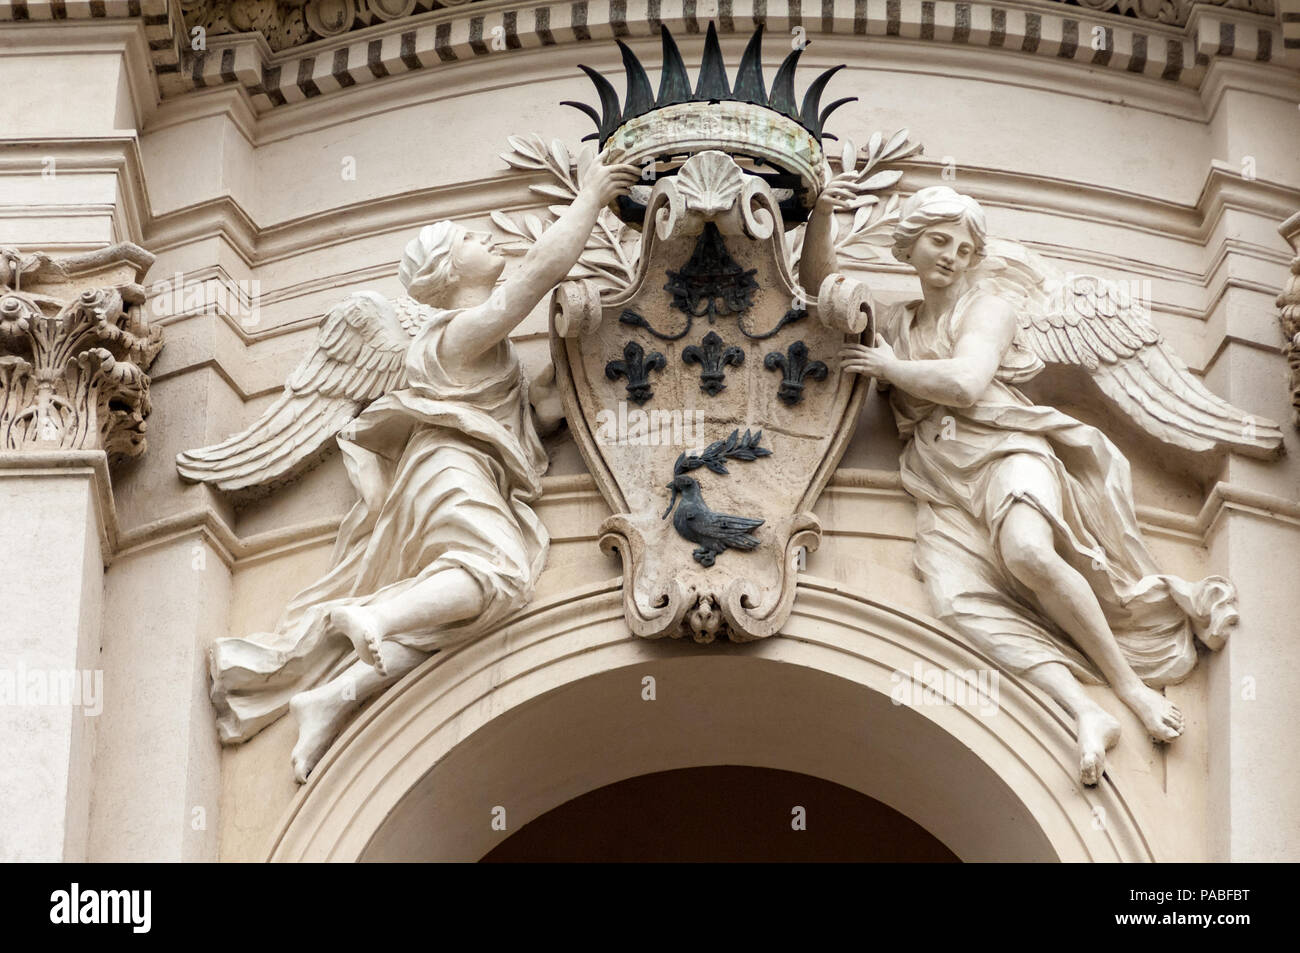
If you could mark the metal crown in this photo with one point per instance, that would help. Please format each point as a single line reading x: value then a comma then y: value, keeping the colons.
x: 712, y: 86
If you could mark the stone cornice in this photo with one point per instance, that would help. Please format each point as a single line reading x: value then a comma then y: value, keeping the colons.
x: 145, y: 28
x: 286, y: 24
x: 958, y: 61
x: 122, y: 38
x: 499, y: 27
x: 114, y: 154
x: 1224, y: 188
x: 1042, y: 28
x: 243, y: 550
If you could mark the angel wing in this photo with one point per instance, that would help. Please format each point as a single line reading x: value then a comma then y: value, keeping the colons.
x: 1101, y: 326
x: 359, y: 355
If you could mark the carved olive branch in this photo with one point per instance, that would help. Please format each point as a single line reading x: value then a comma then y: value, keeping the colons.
x: 869, y: 233
x: 605, y: 257
x: 713, y: 457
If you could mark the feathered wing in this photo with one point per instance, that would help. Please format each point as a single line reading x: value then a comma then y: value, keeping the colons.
x: 732, y: 530
x: 359, y: 355
x: 1100, y: 326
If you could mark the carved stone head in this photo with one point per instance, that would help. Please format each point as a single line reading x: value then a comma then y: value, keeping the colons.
x: 956, y: 227
x: 443, y: 255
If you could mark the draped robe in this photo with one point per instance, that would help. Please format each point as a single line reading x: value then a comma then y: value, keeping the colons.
x: 966, y: 467
x: 444, y: 469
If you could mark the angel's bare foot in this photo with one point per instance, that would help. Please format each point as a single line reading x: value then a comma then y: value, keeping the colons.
x: 1158, y: 714
x: 1098, y: 733
x: 321, y: 714
x: 362, y: 630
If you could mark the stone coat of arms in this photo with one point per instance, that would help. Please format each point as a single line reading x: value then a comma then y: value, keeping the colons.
x: 724, y: 368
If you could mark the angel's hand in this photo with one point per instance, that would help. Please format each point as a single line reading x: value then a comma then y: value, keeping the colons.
x: 874, y: 362
x: 604, y: 183
x: 548, y: 405
x: 543, y: 382
x: 841, y: 194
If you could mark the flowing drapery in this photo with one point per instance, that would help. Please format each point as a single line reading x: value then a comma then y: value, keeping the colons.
x: 966, y: 466
x: 444, y: 471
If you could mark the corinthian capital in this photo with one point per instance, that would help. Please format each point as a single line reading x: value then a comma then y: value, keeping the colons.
x: 75, y: 351
x: 1289, y: 304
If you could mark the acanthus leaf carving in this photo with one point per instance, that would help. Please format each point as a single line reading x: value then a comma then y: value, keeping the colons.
x: 74, y: 372
x: 1288, y: 303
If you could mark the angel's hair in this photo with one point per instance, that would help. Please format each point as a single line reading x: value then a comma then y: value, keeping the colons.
x: 932, y: 206
x: 427, y: 262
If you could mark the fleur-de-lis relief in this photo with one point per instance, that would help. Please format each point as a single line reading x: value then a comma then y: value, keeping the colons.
x: 795, y: 368
x: 636, y: 367
x: 713, y: 359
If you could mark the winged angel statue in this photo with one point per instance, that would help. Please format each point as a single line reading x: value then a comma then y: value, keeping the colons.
x: 445, y: 458
x: 1027, y: 540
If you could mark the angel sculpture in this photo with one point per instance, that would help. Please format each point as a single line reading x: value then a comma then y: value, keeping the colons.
x: 441, y: 545
x: 1027, y: 539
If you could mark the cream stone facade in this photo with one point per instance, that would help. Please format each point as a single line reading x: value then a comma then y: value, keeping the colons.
x: 269, y: 175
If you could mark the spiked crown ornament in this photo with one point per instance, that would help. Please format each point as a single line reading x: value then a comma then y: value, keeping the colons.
x: 781, y: 142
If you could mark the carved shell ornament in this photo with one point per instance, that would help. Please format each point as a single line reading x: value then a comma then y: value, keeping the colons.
x: 711, y: 185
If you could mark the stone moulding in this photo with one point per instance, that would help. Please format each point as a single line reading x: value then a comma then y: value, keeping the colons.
x: 1176, y: 52
x: 162, y: 21
x: 291, y: 23
x: 272, y: 51
x: 838, y: 630
x: 74, y: 360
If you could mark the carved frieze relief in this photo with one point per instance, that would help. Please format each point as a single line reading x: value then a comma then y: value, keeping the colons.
x: 290, y: 23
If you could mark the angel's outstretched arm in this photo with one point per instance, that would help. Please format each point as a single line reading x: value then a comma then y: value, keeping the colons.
x: 818, y: 258
x: 479, y: 329
x: 958, y: 381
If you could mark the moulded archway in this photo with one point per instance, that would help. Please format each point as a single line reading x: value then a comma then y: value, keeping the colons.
x: 553, y: 706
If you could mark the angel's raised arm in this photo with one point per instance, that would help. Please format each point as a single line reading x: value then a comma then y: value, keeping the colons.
x: 479, y: 329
